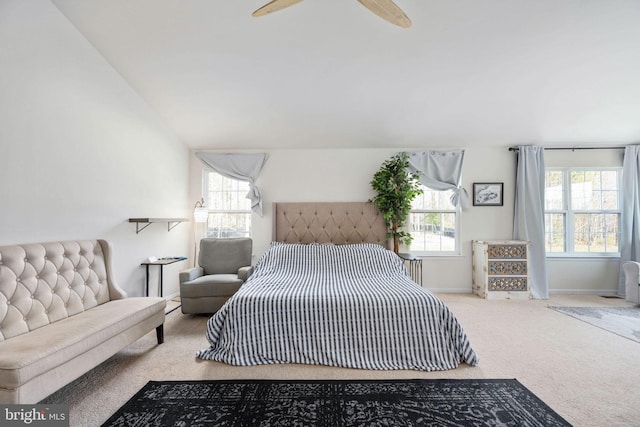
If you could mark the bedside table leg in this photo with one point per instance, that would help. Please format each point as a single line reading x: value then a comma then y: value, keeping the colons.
x: 147, y: 293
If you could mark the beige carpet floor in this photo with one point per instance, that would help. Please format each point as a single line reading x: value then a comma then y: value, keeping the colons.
x: 588, y: 375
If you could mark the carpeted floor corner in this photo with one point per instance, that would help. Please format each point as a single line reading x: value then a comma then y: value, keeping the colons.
x: 337, y: 403
x: 172, y: 305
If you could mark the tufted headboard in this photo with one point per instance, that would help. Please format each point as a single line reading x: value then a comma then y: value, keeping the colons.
x: 330, y: 222
x: 42, y: 283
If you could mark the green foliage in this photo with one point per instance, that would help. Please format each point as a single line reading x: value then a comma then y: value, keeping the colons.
x: 395, y: 189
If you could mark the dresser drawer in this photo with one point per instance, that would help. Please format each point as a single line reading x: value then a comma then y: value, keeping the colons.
x: 507, y: 251
x: 507, y: 268
x: 508, y: 284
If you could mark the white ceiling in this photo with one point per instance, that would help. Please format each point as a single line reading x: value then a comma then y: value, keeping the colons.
x: 329, y: 73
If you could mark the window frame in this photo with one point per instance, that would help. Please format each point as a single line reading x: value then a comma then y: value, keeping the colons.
x: 206, y: 192
x: 457, y: 239
x: 569, y: 214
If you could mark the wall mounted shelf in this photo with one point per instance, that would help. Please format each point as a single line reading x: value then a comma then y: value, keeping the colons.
x: 171, y: 222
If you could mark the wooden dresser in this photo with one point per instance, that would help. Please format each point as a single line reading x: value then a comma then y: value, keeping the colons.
x: 500, y: 269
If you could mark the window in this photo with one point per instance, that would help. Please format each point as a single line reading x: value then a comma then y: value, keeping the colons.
x: 582, y: 211
x: 433, y: 223
x: 229, y: 209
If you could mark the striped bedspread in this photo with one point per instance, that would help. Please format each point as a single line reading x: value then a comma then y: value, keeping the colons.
x: 349, y: 305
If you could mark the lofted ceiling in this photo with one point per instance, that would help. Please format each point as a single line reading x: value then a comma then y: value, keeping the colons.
x: 329, y: 73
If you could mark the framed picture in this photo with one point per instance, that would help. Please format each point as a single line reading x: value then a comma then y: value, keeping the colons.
x: 487, y: 193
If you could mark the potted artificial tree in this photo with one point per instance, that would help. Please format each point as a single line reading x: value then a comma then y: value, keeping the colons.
x: 395, y: 189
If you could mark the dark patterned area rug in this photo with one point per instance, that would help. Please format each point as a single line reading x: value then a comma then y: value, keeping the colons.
x: 336, y: 403
x: 624, y: 321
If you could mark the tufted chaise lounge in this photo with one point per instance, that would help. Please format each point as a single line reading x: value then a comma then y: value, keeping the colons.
x: 62, y: 314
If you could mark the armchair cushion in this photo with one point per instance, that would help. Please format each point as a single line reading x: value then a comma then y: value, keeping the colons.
x: 224, y: 256
x: 214, y: 285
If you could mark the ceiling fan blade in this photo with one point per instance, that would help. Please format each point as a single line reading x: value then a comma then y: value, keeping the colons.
x: 274, y: 6
x: 387, y: 10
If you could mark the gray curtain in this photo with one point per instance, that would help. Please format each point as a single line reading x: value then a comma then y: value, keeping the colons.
x: 240, y: 166
x: 528, y: 219
x: 630, y: 211
x: 441, y: 171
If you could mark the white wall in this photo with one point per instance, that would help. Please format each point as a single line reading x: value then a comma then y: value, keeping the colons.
x: 80, y: 151
x: 344, y: 175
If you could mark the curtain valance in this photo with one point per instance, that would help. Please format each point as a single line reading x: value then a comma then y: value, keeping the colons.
x: 441, y: 171
x: 240, y: 166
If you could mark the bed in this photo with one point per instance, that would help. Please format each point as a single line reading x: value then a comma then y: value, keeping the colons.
x: 328, y: 292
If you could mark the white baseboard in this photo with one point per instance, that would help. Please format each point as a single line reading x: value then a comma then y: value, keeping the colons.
x: 172, y: 296
x: 604, y: 292
x: 451, y: 290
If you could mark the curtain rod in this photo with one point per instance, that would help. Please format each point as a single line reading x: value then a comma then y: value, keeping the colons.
x: 613, y: 147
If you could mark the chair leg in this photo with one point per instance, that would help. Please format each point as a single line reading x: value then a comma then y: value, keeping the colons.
x: 160, y: 334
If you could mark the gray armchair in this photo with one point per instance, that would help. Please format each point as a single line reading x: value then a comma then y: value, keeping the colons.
x: 224, y: 266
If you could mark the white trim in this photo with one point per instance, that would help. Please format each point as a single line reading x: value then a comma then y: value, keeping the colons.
x: 606, y: 292
x: 468, y: 290
x: 172, y: 296
x: 457, y: 211
x: 601, y: 292
x: 432, y: 255
x: 569, y: 212
x: 582, y: 257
